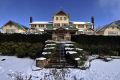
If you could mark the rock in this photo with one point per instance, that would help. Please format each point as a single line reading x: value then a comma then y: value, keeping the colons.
x: 3, y: 59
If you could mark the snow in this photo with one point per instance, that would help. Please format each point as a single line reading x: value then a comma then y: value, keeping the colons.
x: 67, y: 45
x: 49, y: 41
x: 67, y: 28
x: 46, y: 53
x: 41, y: 29
x: 93, y: 57
x: 71, y: 52
x: 50, y: 44
x: 109, y: 59
x: 65, y: 42
x: 13, y: 64
x: 80, y: 22
x: 49, y: 48
x: 54, y: 28
x: 99, y: 70
x: 41, y: 58
x: 67, y: 48
x: 77, y: 59
x: 41, y: 22
x: 80, y: 29
x: 79, y: 49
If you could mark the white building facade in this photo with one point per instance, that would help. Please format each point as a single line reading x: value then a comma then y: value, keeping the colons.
x: 61, y: 19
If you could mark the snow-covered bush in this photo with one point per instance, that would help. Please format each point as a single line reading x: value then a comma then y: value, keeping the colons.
x: 19, y: 76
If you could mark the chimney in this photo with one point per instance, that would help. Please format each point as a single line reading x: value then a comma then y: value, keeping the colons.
x: 92, y: 21
x: 31, y: 20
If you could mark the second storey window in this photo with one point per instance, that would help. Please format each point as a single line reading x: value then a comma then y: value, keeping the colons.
x: 112, y: 33
x: 56, y: 18
x: 32, y: 25
x: 60, y: 18
x: 57, y: 24
x: 65, y: 18
x: 80, y: 26
x: 41, y: 25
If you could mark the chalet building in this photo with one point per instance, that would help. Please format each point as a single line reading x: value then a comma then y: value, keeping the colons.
x: 13, y: 27
x: 112, y: 29
x: 62, y: 19
x: 61, y: 27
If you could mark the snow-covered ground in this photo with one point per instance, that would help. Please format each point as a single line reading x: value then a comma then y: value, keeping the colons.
x: 13, y: 64
x: 99, y: 70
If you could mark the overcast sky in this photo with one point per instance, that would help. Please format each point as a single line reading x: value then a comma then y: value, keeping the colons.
x: 104, y: 11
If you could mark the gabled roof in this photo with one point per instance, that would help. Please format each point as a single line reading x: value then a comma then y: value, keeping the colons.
x: 61, y: 13
x: 16, y: 24
x: 115, y: 24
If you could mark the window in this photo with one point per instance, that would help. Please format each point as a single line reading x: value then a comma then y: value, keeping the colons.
x: 89, y: 26
x: 10, y: 25
x: 112, y: 27
x: 32, y: 28
x: 10, y: 30
x: 65, y: 18
x: 41, y: 25
x: 60, y: 18
x: 112, y: 33
x: 75, y: 25
x: 56, y: 18
x: 80, y: 26
x: 80, y: 32
x: 64, y: 24
x: 34, y: 25
x: 57, y: 24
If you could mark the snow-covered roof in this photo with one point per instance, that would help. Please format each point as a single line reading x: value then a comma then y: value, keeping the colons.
x: 41, y: 22
x: 74, y: 22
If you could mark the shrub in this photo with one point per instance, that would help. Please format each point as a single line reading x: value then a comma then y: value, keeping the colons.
x: 107, y: 45
x: 23, y: 45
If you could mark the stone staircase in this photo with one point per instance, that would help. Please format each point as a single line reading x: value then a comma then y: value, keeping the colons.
x: 58, y: 59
